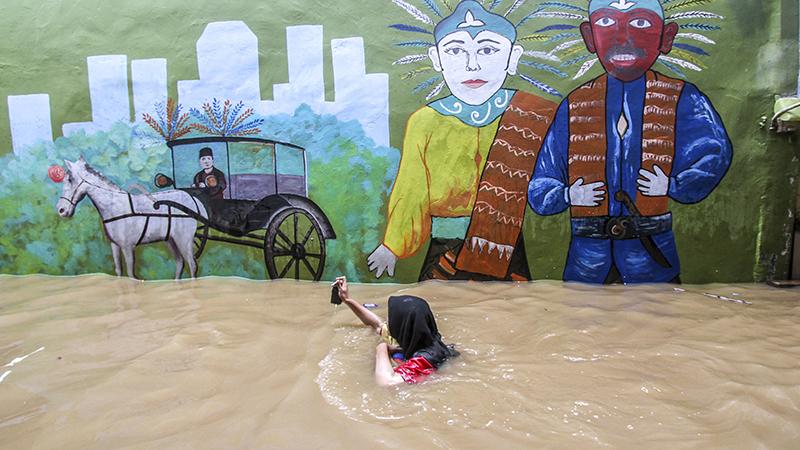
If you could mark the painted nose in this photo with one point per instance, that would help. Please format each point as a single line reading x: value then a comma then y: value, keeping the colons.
x: 472, y: 64
x: 621, y: 37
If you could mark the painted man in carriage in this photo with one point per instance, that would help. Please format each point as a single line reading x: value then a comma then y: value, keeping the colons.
x: 209, y: 178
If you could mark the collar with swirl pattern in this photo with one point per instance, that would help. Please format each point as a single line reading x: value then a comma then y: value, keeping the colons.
x: 475, y: 115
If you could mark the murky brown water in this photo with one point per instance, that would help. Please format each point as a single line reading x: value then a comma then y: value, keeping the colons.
x: 226, y: 363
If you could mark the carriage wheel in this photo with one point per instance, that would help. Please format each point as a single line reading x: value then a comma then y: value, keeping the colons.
x: 200, y: 239
x: 294, y: 246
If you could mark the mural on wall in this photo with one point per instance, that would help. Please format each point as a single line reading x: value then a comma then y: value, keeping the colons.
x: 260, y: 180
x: 130, y: 220
x: 240, y: 172
x: 467, y: 157
x: 265, y: 205
x: 624, y: 144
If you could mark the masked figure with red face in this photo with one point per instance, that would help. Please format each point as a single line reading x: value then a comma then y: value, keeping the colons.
x: 624, y: 144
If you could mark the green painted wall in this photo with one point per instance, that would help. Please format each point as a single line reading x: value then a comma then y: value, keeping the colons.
x: 740, y: 233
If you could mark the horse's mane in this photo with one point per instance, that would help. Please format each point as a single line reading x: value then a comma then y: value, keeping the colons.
x: 102, y: 178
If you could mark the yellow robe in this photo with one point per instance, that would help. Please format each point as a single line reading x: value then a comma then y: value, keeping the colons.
x: 440, y: 168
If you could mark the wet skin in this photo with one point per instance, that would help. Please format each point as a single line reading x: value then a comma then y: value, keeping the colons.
x: 628, y: 44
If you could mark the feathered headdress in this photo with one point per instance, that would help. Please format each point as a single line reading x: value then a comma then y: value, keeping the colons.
x: 537, y: 63
x: 687, y: 51
x: 561, y: 49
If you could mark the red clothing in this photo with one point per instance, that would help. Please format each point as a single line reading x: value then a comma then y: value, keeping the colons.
x: 415, y: 369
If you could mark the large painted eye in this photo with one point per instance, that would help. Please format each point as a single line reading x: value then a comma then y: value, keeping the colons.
x: 605, y: 22
x: 455, y: 51
x: 488, y: 50
x: 641, y: 23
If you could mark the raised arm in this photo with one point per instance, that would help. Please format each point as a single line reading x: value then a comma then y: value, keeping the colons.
x: 368, y: 317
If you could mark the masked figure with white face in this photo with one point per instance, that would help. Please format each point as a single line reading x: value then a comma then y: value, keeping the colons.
x: 623, y: 145
x: 467, y: 158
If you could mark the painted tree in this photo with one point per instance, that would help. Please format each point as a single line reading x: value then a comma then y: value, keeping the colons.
x: 170, y: 122
x: 226, y: 119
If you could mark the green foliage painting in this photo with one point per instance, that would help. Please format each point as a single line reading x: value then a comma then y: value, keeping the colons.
x: 37, y: 240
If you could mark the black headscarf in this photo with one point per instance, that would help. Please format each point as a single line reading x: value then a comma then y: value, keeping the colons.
x: 412, y: 325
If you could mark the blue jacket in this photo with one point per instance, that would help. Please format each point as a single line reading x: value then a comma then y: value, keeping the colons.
x: 702, y: 156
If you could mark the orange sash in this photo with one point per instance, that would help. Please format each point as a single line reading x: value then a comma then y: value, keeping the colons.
x: 499, y: 208
x: 587, y: 138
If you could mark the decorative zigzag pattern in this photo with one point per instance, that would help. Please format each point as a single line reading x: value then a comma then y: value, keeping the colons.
x: 517, y: 151
x: 585, y: 158
x: 580, y: 138
x: 584, y: 119
x: 656, y: 143
x: 661, y: 128
x: 656, y: 111
x: 527, y: 133
x: 647, y: 156
x: 523, y: 113
x: 503, y: 193
x: 662, y: 97
x: 483, y: 207
x: 507, y: 170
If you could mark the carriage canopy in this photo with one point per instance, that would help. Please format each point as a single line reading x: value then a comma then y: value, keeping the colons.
x: 255, y: 168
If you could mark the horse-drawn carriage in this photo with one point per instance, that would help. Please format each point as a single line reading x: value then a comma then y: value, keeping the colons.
x: 260, y: 201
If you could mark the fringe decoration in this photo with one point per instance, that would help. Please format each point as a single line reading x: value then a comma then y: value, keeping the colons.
x: 541, y: 86
x: 410, y: 59
x: 696, y: 37
x: 585, y: 68
x: 409, y: 28
x: 414, y: 11
x: 435, y: 91
x: 695, y: 15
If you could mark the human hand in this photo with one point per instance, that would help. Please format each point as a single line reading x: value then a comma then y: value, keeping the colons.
x: 341, y: 283
x: 586, y: 194
x: 382, y: 260
x: 653, y: 184
x: 202, y: 185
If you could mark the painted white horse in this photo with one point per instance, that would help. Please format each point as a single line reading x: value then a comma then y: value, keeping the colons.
x: 130, y: 220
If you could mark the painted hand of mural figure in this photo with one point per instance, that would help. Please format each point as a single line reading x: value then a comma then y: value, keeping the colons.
x: 467, y: 158
x: 653, y: 184
x: 586, y: 194
x: 382, y: 260
x: 671, y: 146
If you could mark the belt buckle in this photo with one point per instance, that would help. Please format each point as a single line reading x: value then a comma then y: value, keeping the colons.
x: 618, y: 227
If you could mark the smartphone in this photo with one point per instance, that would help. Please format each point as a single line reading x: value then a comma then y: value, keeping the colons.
x: 335, y: 299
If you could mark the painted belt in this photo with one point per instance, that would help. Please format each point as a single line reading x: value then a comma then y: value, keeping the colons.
x: 620, y: 227
x: 449, y: 227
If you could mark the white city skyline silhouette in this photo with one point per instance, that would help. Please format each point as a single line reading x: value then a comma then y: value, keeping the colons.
x: 228, y: 68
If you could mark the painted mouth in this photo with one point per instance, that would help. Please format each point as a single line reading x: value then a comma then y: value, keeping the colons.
x: 625, y: 57
x: 474, y: 84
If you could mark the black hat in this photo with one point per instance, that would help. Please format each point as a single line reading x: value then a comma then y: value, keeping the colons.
x: 206, y: 151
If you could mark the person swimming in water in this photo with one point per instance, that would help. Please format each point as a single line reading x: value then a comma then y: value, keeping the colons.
x: 410, y: 331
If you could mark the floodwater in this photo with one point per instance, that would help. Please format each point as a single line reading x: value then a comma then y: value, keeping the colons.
x: 102, y: 362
